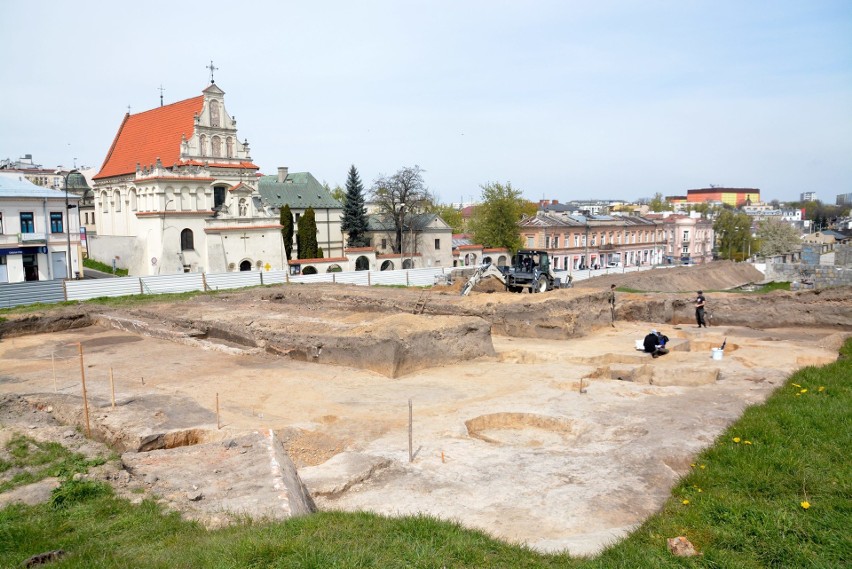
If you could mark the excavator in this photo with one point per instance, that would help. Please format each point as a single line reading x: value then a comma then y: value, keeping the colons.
x: 530, y: 270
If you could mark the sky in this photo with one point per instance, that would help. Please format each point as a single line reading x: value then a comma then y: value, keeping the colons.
x: 567, y: 100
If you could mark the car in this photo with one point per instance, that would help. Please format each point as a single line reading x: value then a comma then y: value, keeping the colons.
x: 613, y: 265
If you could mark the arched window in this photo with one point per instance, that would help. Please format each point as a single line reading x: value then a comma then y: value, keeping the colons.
x: 202, y: 145
x: 408, y: 264
x: 104, y: 202
x: 229, y: 147
x: 245, y: 266
x: 334, y: 269
x: 117, y: 197
x: 216, y: 143
x: 199, y: 199
x: 362, y: 263
x: 387, y: 266
x: 309, y: 270
x: 134, y: 204
x: 186, y: 240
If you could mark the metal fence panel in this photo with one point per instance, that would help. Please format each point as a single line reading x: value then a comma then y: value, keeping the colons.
x: 181, y: 282
x: 94, y: 288
x: 387, y: 278
x: 221, y: 281
x: 19, y: 294
x: 352, y: 277
x: 423, y: 277
x: 317, y: 278
x: 274, y: 277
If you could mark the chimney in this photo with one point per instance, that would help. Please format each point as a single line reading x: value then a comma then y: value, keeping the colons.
x: 555, y: 202
x: 282, y: 174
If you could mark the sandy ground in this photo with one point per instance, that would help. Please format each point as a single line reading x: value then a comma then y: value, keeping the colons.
x: 507, y: 443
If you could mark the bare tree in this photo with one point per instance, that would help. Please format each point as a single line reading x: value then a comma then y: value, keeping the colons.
x: 400, y: 197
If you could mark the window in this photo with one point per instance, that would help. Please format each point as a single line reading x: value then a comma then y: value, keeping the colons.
x: 384, y: 244
x: 27, y: 223
x: 437, y: 244
x: 56, y: 222
x: 686, y: 235
x: 104, y: 202
x: 117, y: 196
x: 576, y: 240
x: 555, y: 241
x: 186, y: 241
x: 530, y: 242
x: 218, y: 196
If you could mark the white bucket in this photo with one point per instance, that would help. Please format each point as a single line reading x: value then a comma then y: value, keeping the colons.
x: 716, y: 353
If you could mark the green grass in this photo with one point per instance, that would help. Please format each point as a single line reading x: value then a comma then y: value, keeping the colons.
x: 33, y: 460
x: 104, y: 268
x: 744, y: 510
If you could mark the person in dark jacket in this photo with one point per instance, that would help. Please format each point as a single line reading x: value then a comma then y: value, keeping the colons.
x: 655, y: 344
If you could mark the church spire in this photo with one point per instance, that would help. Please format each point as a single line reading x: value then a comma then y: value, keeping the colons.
x: 212, y: 69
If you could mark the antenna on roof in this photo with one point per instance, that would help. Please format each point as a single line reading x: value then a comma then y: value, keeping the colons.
x: 128, y: 109
x: 161, y: 94
x: 212, y: 69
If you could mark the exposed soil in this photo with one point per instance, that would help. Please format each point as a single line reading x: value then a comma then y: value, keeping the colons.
x: 534, y: 417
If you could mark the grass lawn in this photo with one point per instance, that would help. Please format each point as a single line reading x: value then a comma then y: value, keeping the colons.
x: 775, y: 490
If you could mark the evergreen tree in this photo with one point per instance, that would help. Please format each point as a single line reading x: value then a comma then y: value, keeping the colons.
x: 307, y: 235
x: 354, y: 221
x: 286, y: 220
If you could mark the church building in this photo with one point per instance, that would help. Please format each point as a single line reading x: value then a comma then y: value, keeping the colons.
x: 178, y: 192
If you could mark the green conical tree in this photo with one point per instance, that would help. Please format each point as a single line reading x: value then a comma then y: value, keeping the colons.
x: 286, y: 219
x: 354, y: 221
x: 307, y: 235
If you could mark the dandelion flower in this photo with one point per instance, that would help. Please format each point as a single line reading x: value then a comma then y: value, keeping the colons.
x: 703, y: 466
x: 746, y: 442
x: 821, y: 388
x: 736, y: 440
x: 805, y: 505
x: 798, y: 395
x: 700, y: 490
x: 795, y: 385
x: 804, y: 390
x: 685, y: 502
x: 692, y: 465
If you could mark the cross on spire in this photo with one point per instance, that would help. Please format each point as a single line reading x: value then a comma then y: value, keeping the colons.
x: 161, y: 94
x: 212, y: 69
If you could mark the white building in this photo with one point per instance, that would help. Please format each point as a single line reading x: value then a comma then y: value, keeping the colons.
x: 177, y: 192
x: 34, y: 226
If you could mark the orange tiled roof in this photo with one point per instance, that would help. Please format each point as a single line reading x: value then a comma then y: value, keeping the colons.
x: 149, y: 135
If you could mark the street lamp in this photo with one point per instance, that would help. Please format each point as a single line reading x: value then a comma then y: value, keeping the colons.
x: 68, y: 207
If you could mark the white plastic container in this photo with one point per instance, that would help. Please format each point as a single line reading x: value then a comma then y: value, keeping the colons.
x: 716, y: 353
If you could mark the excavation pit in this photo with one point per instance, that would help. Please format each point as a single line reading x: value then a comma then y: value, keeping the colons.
x: 522, y: 429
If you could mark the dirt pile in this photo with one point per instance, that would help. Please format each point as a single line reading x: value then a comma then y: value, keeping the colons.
x: 719, y: 275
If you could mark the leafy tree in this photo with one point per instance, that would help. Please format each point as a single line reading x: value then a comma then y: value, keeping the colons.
x: 452, y: 216
x: 528, y: 209
x: 495, y: 220
x: 354, y: 221
x: 307, y: 235
x: 658, y: 203
x: 401, y: 196
x: 733, y: 233
x: 777, y: 237
x: 336, y: 192
x: 286, y: 219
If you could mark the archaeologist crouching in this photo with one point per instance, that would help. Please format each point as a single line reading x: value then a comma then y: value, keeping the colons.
x: 655, y: 344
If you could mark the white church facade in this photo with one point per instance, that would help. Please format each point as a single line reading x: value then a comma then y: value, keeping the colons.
x: 178, y: 192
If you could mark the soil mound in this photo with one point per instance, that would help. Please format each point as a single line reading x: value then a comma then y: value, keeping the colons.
x: 718, y: 275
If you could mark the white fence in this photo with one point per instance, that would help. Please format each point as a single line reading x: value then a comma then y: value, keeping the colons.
x: 57, y: 291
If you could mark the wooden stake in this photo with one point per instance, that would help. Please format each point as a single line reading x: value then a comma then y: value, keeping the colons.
x: 218, y: 423
x: 53, y: 361
x: 410, y: 448
x: 85, y: 399
x: 112, y: 386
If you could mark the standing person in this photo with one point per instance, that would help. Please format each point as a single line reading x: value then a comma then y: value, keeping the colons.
x: 612, y: 303
x: 700, y: 301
